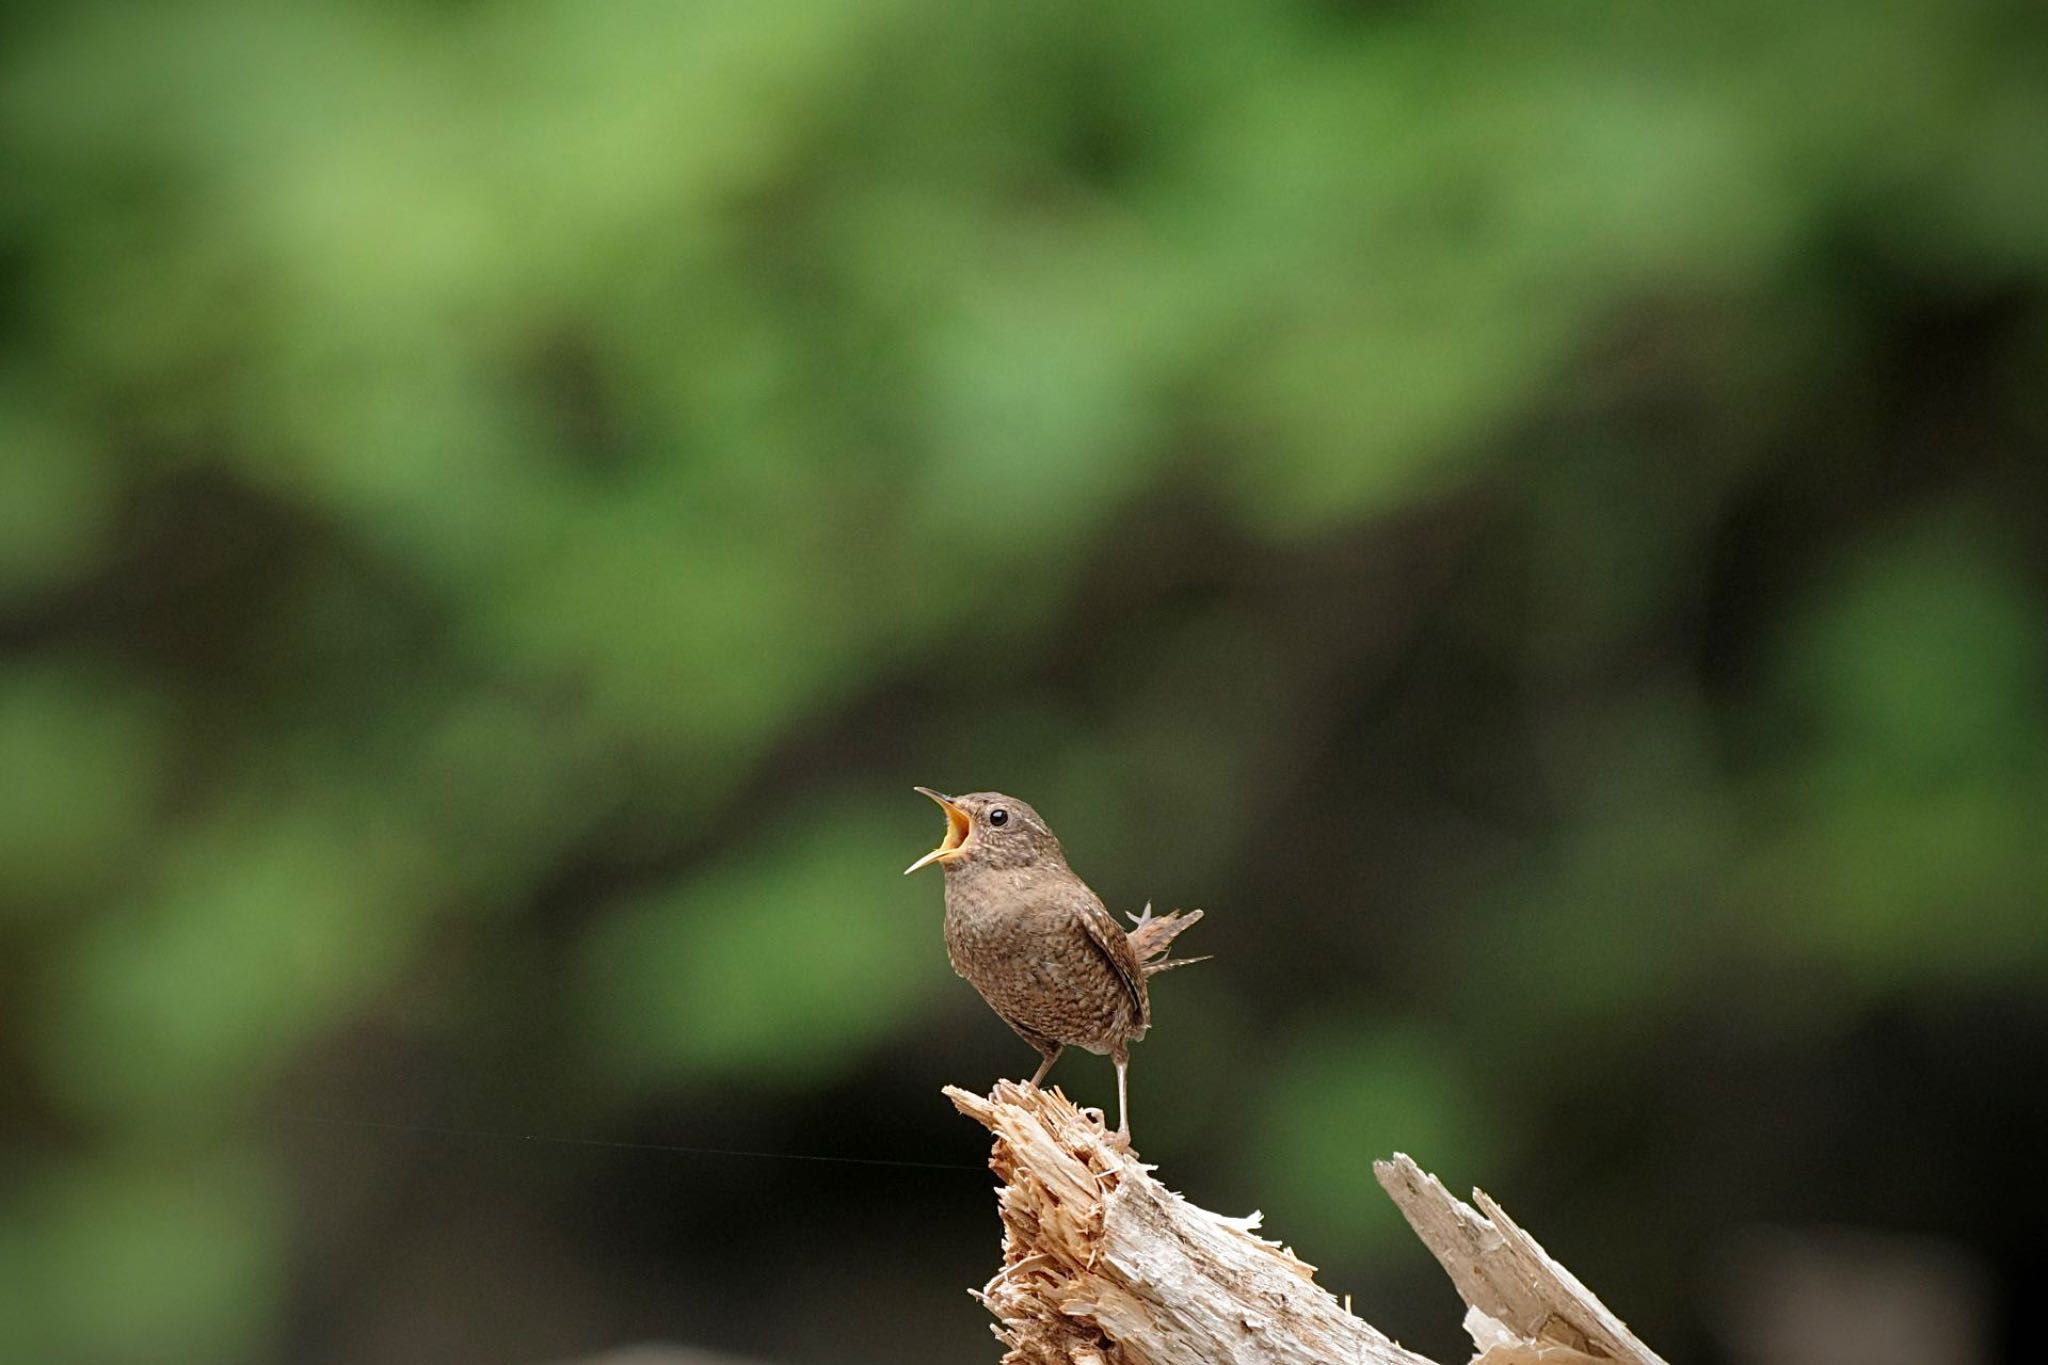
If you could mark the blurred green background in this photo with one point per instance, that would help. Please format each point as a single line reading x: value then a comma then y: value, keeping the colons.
x: 1533, y: 515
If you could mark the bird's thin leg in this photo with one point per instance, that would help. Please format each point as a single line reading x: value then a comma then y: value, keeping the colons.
x: 1045, y: 1066
x: 1123, y: 1099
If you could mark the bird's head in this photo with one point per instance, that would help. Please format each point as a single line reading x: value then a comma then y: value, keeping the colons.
x: 989, y: 829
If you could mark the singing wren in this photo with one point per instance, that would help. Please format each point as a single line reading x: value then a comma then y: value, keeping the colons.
x: 1038, y: 944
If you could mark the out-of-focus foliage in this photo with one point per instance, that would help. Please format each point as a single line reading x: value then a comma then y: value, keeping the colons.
x: 1532, y: 514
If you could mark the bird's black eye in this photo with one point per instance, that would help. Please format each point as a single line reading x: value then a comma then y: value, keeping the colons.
x: 999, y: 817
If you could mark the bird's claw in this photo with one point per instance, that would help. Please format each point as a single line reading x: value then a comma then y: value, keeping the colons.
x: 1141, y: 918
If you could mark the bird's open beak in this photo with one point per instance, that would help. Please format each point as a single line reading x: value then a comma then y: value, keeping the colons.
x: 957, y: 826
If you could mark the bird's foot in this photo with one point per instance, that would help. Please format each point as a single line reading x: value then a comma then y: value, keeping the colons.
x: 1119, y: 1138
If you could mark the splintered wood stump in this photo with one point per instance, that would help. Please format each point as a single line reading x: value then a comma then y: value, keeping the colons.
x: 1103, y: 1265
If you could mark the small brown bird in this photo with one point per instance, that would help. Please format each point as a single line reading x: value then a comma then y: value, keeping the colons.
x: 1038, y: 944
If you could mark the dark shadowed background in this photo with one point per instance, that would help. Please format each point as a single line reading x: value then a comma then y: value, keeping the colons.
x: 1533, y: 515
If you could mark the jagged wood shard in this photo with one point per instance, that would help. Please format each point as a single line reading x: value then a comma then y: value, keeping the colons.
x: 1506, y: 1278
x: 1103, y: 1265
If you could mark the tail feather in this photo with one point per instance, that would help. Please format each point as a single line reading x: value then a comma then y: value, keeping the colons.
x: 1152, y: 935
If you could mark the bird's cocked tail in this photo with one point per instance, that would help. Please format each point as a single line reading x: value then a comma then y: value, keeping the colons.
x: 1151, y: 935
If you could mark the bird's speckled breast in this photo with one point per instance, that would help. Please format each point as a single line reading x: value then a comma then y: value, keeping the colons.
x: 1018, y: 941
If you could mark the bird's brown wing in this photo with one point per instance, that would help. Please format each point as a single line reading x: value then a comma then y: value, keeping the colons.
x: 1114, y: 944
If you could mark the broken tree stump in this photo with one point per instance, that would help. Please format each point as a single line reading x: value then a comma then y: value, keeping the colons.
x: 1103, y: 1265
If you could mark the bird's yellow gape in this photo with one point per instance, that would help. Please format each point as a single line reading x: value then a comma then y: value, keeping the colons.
x: 958, y: 827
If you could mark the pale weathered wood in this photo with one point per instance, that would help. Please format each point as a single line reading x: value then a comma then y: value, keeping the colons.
x: 1522, y: 1303
x: 1103, y: 1265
